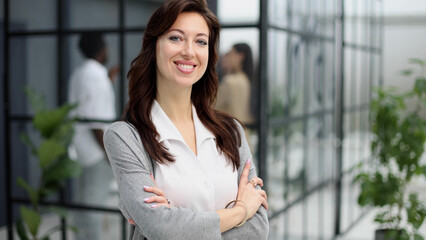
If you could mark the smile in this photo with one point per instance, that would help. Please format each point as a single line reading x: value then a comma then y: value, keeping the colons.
x: 185, y: 68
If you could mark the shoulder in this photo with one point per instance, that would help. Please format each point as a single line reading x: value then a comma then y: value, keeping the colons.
x: 121, y: 129
x: 239, y: 127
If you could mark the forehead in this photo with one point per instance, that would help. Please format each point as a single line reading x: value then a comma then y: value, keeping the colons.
x: 191, y: 23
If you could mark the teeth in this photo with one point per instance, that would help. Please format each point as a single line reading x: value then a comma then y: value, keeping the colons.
x: 185, y: 66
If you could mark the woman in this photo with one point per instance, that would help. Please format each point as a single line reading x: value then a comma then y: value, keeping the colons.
x: 198, y: 156
x: 234, y: 95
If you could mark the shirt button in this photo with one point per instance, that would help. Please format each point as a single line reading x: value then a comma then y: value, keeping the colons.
x: 206, y: 184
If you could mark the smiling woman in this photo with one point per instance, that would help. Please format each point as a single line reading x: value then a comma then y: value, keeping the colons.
x: 191, y: 160
x: 182, y: 53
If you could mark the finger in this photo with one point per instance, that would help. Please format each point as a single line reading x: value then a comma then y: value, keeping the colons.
x: 131, y: 221
x: 265, y: 204
x: 152, y: 178
x: 160, y: 204
x: 259, y: 181
x: 157, y: 199
x: 244, y: 175
x: 154, y: 190
x: 263, y: 194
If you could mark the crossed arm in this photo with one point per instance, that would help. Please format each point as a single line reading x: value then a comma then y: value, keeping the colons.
x: 161, y: 222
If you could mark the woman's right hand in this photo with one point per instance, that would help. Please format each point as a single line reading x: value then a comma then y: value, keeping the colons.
x: 247, y: 192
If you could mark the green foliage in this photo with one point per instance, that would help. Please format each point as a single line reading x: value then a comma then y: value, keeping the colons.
x: 399, y: 137
x: 56, y: 131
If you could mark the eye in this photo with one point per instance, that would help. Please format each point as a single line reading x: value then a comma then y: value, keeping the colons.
x: 174, y: 38
x: 202, y: 42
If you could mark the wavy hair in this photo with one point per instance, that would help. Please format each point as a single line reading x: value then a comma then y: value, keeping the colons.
x: 143, y: 88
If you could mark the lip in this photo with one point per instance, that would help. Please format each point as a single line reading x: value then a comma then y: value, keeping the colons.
x: 185, y: 66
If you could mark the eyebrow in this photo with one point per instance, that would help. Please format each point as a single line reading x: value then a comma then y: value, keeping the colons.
x: 179, y: 30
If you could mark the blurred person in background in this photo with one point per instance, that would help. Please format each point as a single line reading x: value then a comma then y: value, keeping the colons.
x: 234, y: 95
x: 91, y: 86
x: 183, y: 168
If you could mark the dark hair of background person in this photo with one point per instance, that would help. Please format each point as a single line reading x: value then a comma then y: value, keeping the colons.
x: 248, y: 69
x: 142, y: 85
x: 247, y: 63
x: 91, y: 43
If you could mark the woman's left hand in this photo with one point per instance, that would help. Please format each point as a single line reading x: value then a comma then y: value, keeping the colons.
x: 160, y: 199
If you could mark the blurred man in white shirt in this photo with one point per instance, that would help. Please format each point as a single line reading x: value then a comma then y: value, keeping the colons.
x: 91, y: 86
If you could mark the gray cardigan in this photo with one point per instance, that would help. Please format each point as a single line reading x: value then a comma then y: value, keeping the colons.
x: 132, y: 167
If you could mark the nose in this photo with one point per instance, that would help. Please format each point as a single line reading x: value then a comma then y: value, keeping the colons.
x: 188, y: 50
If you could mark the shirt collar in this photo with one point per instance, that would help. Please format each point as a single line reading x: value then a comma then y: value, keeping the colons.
x: 167, y: 130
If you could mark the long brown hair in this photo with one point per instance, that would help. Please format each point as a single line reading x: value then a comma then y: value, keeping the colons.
x: 143, y: 88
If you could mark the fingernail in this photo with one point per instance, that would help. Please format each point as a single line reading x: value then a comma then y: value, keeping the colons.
x: 146, y: 199
x: 146, y: 187
x: 248, y: 161
x: 154, y: 206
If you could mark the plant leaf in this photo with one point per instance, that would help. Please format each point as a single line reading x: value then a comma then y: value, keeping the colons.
x: 417, y: 61
x: 37, y: 100
x: 62, y: 169
x: 31, y: 218
x: 407, y: 72
x: 22, y: 233
x: 420, y: 86
x: 418, y: 237
x: 27, y: 141
x: 48, y: 121
x: 31, y: 192
x: 49, y: 151
x: 62, y: 212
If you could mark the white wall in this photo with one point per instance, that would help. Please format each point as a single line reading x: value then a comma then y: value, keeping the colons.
x: 404, y: 37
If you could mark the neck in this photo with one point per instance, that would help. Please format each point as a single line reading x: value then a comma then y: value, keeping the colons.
x: 176, y: 104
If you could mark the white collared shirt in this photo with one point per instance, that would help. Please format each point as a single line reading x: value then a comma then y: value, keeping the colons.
x: 92, y: 89
x: 205, y: 182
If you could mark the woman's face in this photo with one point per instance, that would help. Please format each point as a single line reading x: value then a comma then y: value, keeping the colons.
x: 182, y: 52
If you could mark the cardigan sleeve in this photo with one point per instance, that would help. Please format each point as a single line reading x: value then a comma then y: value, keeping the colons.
x: 257, y: 227
x: 129, y: 164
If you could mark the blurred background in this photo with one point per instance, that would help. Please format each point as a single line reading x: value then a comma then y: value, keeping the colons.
x: 316, y: 62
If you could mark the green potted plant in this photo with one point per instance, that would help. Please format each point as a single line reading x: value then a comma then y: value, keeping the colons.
x: 397, y: 147
x: 56, y: 130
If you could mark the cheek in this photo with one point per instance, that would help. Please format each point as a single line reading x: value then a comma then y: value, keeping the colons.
x: 205, y: 59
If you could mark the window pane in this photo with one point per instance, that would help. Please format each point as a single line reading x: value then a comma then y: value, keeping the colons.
x: 327, y: 165
x: 93, y: 13
x: 28, y: 15
x: 276, y: 227
x: 33, y: 63
x: 313, y: 231
x: 277, y: 73
x: 235, y: 11
x: 278, y: 14
x: 296, y: 66
x: 315, y: 77
x: 314, y: 152
x: 327, y: 211
x: 139, y: 12
x: 329, y: 77
x: 276, y: 169
x: 295, y: 225
x: 296, y: 170
x: 133, y: 45
x: 22, y: 162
